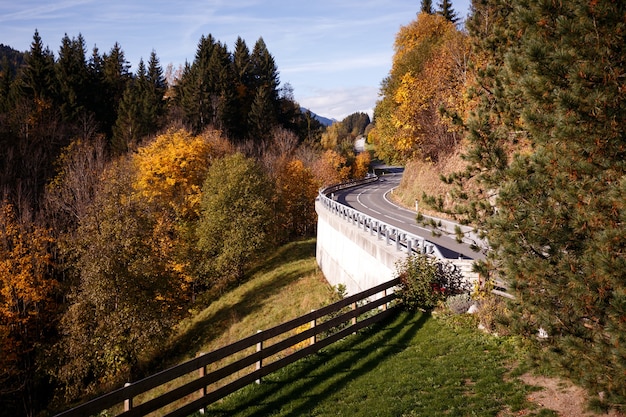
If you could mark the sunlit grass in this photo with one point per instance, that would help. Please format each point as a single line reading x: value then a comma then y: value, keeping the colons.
x: 413, y: 365
x: 287, y: 284
x: 284, y: 285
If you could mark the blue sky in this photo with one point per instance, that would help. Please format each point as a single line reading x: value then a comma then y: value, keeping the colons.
x: 334, y: 53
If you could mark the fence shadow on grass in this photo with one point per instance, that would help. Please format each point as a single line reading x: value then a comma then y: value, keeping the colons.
x: 360, y: 354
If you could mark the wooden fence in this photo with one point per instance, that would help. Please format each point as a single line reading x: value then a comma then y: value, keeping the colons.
x: 200, y: 386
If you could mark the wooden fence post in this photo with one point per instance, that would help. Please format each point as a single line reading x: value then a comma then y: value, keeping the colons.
x: 313, y: 324
x: 201, y: 373
x: 384, y: 295
x: 128, y: 402
x: 259, y: 347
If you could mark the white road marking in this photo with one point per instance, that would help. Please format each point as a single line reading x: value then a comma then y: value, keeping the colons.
x: 358, y: 198
x: 393, y: 218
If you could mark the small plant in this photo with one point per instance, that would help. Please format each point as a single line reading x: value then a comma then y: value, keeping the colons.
x: 425, y: 282
x: 340, y: 293
x: 494, y: 315
x: 460, y: 303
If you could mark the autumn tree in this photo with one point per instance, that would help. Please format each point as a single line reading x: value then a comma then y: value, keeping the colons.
x: 331, y: 168
x: 296, y: 190
x: 428, y: 75
x: 361, y: 165
x: 27, y: 311
x: 125, y: 301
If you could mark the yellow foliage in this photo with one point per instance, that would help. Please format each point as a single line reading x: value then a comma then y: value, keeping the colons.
x: 25, y: 287
x: 173, y: 167
x: 429, y: 72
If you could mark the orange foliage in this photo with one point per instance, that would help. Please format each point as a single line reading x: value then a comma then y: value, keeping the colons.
x: 361, y: 165
x: 25, y: 290
x: 331, y: 168
x: 297, y: 188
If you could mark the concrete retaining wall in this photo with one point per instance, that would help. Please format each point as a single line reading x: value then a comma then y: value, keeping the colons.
x: 352, y: 256
x: 360, y: 260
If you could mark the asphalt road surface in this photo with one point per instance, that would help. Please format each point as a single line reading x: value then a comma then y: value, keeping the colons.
x: 373, y: 200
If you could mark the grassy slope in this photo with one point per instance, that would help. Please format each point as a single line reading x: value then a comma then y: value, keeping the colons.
x: 413, y: 365
x: 425, y: 177
x: 285, y: 285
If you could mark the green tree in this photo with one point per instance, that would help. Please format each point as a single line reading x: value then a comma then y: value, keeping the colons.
x: 427, y: 6
x: 235, y: 221
x: 115, y: 79
x: 446, y: 10
x: 548, y: 136
x: 131, y: 125
x: 125, y: 301
x: 72, y: 74
x: 154, y: 102
x: 38, y: 79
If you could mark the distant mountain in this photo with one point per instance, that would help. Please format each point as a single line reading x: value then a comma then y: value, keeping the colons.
x: 14, y: 58
x: 323, y: 120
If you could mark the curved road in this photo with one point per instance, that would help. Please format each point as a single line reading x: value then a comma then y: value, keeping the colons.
x: 373, y: 199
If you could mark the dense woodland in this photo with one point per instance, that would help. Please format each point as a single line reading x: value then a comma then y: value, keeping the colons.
x: 533, y: 94
x: 130, y: 198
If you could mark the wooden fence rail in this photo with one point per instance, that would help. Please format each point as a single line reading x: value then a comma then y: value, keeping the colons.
x: 330, y: 317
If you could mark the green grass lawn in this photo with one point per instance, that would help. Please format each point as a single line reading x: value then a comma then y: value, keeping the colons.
x: 413, y: 365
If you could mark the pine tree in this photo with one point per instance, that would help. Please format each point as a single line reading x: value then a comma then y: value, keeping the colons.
x: 38, y: 77
x: 551, y: 99
x: 244, y: 89
x: 266, y: 82
x: 116, y: 76
x: 153, y: 102
x: 445, y: 10
x: 130, y: 125
x: 72, y: 74
x: 261, y: 117
x: 427, y: 6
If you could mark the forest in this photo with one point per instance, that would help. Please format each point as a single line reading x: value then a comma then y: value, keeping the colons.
x: 529, y: 100
x: 130, y: 198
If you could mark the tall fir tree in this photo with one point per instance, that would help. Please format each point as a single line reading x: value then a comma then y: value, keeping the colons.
x: 116, y: 76
x: 73, y: 76
x: 154, y: 101
x: 548, y: 139
x: 266, y: 82
x: 446, y: 10
x: 38, y: 78
x: 427, y: 6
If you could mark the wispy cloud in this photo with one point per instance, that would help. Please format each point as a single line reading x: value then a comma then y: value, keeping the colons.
x: 19, y: 11
x: 341, y: 102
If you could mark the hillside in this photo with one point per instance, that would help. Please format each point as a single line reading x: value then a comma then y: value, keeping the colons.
x: 285, y: 285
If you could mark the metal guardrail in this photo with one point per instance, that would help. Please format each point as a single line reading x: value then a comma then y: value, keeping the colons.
x: 403, y: 240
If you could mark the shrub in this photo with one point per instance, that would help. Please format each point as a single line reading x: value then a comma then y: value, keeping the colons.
x: 459, y: 303
x: 425, y: 282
